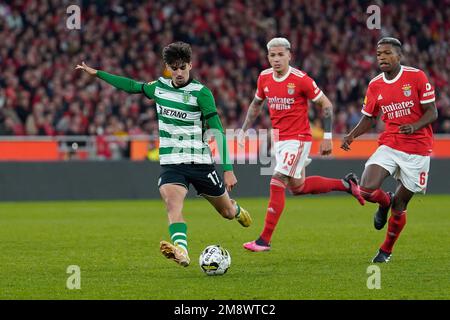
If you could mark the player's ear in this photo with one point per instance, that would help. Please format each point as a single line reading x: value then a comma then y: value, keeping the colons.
x: 288, y: 53
x: 190, y: 66
x: 399, y: 53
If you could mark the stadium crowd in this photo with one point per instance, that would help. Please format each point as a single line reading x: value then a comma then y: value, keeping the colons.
x: 42, y: 94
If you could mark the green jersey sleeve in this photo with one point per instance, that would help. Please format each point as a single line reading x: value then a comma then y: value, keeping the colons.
x: 209, y: 111
x: 206, y: 101
x: 127, y: 84
x: 221, y: 139
x: 148, y: 89
x: 122, y: 83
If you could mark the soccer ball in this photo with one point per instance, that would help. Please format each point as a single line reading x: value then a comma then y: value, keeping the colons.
x: 215, y: 260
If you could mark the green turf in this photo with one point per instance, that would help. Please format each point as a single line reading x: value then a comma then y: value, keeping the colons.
x: 321, y: 250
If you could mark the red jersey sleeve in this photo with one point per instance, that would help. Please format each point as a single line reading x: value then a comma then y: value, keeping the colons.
x: 310, y: 88
x: 370, y: 106
x: 260, y: 95
x: 426, y: 90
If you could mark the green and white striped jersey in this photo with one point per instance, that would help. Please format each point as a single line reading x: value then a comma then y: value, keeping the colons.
x: 181, y: 119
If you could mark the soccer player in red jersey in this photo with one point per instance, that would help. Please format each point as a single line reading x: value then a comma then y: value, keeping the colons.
x: 404, y: 98
x: 287, y: 91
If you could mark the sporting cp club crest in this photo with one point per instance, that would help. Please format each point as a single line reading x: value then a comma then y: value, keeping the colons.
x: 406, y: 90
x: 291, y: 88
x: 186, y: 96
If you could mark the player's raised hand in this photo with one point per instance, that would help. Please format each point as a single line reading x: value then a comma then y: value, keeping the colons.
x: 326, y: 147
x: 229, y: 179
x: 407, y: 129
x: 346, y: 142
x: 86, y: 68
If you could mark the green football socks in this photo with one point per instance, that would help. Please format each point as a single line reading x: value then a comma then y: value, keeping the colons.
x: 178, y: 234
x: 238, y: 210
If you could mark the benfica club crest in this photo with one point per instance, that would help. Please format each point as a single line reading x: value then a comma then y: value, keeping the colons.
x: 291, y: 88
x: 406, y: 90
x: 186, y: 96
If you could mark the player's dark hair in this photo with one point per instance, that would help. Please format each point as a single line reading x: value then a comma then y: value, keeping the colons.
x: 177, y: 53
x: 393, y: 42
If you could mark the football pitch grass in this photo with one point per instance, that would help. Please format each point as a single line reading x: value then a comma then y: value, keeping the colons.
x: 321, y: 250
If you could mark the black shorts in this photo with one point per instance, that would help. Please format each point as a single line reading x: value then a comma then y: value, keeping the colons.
x: 203, y: 177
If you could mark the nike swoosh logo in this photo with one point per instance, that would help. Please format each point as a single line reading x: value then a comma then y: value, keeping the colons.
x: 220, y: 185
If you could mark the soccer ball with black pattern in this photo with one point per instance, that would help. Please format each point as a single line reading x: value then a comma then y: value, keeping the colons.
x: 215, y: 260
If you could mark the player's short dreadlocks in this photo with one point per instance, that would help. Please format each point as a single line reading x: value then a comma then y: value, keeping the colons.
x: 177, y: 53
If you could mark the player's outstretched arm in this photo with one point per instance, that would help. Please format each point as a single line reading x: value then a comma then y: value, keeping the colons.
x: 122, y: 83
x: 428, y: 117
x: 364, y: 125
x: 83, y: 66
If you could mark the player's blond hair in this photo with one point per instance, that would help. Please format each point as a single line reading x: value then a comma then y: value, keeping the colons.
x: 279, y: 42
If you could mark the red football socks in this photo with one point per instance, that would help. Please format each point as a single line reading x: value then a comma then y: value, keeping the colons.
x: 396, y: 223
x: 318, y: 184
x: 376, y: 196
x: 275, y: 208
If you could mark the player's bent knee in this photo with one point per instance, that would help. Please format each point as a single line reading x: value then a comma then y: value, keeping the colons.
x: 368, y: 186
x: 297, y: 190
x: 399, y: 204
x: 282, y: 177
x: 228, y: 213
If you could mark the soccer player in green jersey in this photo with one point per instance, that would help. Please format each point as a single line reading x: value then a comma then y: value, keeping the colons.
x: 185, y: 109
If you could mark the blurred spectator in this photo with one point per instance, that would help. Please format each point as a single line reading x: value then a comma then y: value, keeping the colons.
x: 103, y: 146
x: 41, y: 94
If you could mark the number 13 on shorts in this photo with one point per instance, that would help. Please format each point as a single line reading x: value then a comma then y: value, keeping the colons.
x: 291, y: 156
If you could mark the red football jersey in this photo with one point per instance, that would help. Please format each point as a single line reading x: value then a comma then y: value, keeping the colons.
x: 287, y: 100
x: 400, y: 101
